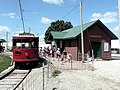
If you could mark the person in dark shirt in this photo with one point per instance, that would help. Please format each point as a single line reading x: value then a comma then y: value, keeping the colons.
x: 0, y: 48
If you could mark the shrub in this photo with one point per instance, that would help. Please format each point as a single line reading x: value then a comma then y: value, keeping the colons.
x: 56, y: 73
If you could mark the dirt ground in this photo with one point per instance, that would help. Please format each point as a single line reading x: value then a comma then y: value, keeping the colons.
x: 106, y: 76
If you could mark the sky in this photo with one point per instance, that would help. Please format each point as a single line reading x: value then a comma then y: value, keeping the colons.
x: 38, y: 14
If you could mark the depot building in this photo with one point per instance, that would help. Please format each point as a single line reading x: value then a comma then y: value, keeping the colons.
x: 96, y: 36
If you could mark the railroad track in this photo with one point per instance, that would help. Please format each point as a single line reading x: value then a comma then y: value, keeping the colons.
x: 13, y: 80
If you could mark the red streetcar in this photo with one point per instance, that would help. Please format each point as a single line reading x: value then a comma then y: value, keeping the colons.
x: 25, y: 48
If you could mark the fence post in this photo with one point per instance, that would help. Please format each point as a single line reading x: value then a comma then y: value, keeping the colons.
x: 92, y: 61
x: 43, y: 78
x: 62, y: 59
x: 71, y: 62
x: 48, y: 66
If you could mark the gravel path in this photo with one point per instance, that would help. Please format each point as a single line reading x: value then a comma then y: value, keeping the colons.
x: 108, y: 69
x: 106, y: 76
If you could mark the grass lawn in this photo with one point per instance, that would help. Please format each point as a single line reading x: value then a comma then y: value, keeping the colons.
x: 4, y: 62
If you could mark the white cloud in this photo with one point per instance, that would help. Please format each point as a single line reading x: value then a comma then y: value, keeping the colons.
x: 46, y: 21
x: 116, y: 29
x: 4, y: 29
x: 10, y: 15
x: 107, y: 17
x: 56, y: 2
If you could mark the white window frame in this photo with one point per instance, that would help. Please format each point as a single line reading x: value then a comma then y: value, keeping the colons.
x: 106, y: 46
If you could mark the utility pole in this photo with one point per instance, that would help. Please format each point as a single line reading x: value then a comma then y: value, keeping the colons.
x: 119, y: 20
x: 81, y: 29
x: 6, y: 41
x: 22, y: 16
x: 119, y: 13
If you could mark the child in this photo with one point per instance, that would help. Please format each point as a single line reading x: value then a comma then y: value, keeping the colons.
x: 69, y: 57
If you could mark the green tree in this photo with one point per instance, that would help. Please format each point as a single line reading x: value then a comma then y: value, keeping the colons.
x: 58, y: 25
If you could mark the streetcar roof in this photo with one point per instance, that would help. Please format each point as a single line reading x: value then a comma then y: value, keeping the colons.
x: 24, y: 35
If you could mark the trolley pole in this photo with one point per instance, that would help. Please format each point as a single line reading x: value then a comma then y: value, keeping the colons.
x: 81, y: 29
x: 22, y: 16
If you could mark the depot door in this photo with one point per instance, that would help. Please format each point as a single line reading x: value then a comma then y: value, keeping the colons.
x: 97, y: 51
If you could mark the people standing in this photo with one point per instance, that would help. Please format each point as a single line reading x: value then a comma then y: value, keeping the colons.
x: 65, y: 55
x: 58, y: 54
x: 0, y: 48
x: 44, y: 52
x: 40, y: 51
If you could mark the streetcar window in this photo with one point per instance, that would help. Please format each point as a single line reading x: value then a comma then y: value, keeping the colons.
x: 22, y: 45
x: 25, y: 43
x: 18, y: 44
x: 32, y: 44
x: 36, y: 43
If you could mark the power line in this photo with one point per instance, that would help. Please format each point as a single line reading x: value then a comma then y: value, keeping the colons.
x: 61, y: 18
x: 70, y: 11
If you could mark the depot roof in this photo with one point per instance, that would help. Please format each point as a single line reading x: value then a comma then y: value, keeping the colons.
x: 75, y: 31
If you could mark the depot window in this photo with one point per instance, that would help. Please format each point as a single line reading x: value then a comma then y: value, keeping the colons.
x: 106, y: 46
